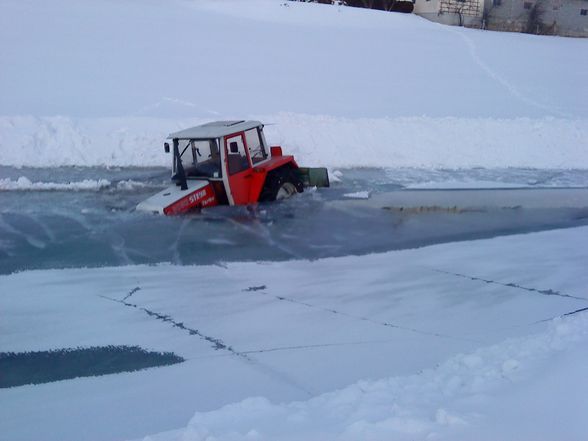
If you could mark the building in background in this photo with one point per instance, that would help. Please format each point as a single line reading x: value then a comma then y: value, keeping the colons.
x: 451, y: 12
x: 550, y: 17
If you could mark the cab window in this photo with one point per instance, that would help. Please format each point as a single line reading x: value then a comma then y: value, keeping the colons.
x: 200, y: 158
x: 256, y: 149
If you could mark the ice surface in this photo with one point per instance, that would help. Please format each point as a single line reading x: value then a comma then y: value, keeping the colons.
x: 294, y: 330
x: 98, y: 226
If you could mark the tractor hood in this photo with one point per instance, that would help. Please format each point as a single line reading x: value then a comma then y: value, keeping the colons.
x: 174, y: 200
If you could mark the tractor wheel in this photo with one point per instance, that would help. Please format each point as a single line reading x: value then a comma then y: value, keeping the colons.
x: 286, y: 190
x: 281, y: 184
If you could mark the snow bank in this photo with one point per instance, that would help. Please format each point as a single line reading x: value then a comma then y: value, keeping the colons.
x: 314, y: 140
x: 447, y: 402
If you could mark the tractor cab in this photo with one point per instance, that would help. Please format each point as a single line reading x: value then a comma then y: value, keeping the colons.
x: 227, y: 163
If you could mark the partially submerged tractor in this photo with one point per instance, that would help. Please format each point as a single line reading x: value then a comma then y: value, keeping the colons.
x: 228, y: 163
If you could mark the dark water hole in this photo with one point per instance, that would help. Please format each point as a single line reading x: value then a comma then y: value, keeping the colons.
x: 20, y: 368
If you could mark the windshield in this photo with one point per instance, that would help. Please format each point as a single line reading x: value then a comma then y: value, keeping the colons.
x: 200, y: 158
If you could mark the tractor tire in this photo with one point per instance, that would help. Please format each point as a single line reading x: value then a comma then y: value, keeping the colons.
x: 281, y: 184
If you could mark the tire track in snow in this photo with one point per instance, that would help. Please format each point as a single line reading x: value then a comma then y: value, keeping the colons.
x: 131, y: 292
x: 260, y: 290
x: 217, y: 344
x: 514, y: 91
x: 546, y: 292
x: 566, y: 314
x: 316, y: 346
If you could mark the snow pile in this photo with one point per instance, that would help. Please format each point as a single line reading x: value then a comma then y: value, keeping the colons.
x: 447, y: 402
x: 23, y: 184
x: 130, y: 185
x: 358, y: 195
x: 315, y: 141
x: 433, y: 142
x: 63, y: 141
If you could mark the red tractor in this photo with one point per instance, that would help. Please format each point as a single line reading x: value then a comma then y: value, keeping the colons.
x: 229, y: 163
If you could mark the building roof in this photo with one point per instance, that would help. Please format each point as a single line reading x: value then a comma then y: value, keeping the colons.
x: 215, y: 129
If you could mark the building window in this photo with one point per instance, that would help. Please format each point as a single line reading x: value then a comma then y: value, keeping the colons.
x: 527, y: 5
x: 583, y: 11
x: 497, y: 2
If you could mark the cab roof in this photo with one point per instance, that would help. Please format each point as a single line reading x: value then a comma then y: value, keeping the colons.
x: 215, y: 129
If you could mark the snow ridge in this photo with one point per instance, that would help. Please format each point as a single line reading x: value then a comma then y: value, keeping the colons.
x: 25, y: 184
x: 315, y: 141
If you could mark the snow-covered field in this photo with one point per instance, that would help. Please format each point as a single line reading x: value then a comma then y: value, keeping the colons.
x: 472, y: 340
x: 344, y: 87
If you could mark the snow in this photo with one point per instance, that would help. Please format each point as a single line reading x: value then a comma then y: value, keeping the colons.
x: 443, y: 97
x: 23, y: 183
x: 428, y: 142
x: 211, y: 58
x: 469, y: 184
x: 294, y: 331
x: 450, y: 401
x: 358, y: 195
x: 471, y: 340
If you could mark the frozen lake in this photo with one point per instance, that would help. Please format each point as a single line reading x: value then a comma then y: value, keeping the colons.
x: 293, y: 330
x: 58, y: 220
x: 286, y: 330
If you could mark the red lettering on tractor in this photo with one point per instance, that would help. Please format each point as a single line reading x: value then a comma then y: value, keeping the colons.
x: 201, y: 198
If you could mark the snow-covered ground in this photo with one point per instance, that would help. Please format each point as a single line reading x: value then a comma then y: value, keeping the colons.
x: 208, y: 58
x: 103, y: 83
x: 425, y: 142
x: 471, y: 340
x: 419, y: 334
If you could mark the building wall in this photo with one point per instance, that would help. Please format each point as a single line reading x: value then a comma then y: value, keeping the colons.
x: 426, y: 7
x: 451, y: 12
x: 560, y: 17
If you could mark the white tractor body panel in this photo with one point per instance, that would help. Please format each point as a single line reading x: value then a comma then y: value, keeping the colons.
x: 167, y: 197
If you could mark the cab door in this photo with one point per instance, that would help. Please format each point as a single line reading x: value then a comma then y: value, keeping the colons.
x: 238, y: 168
